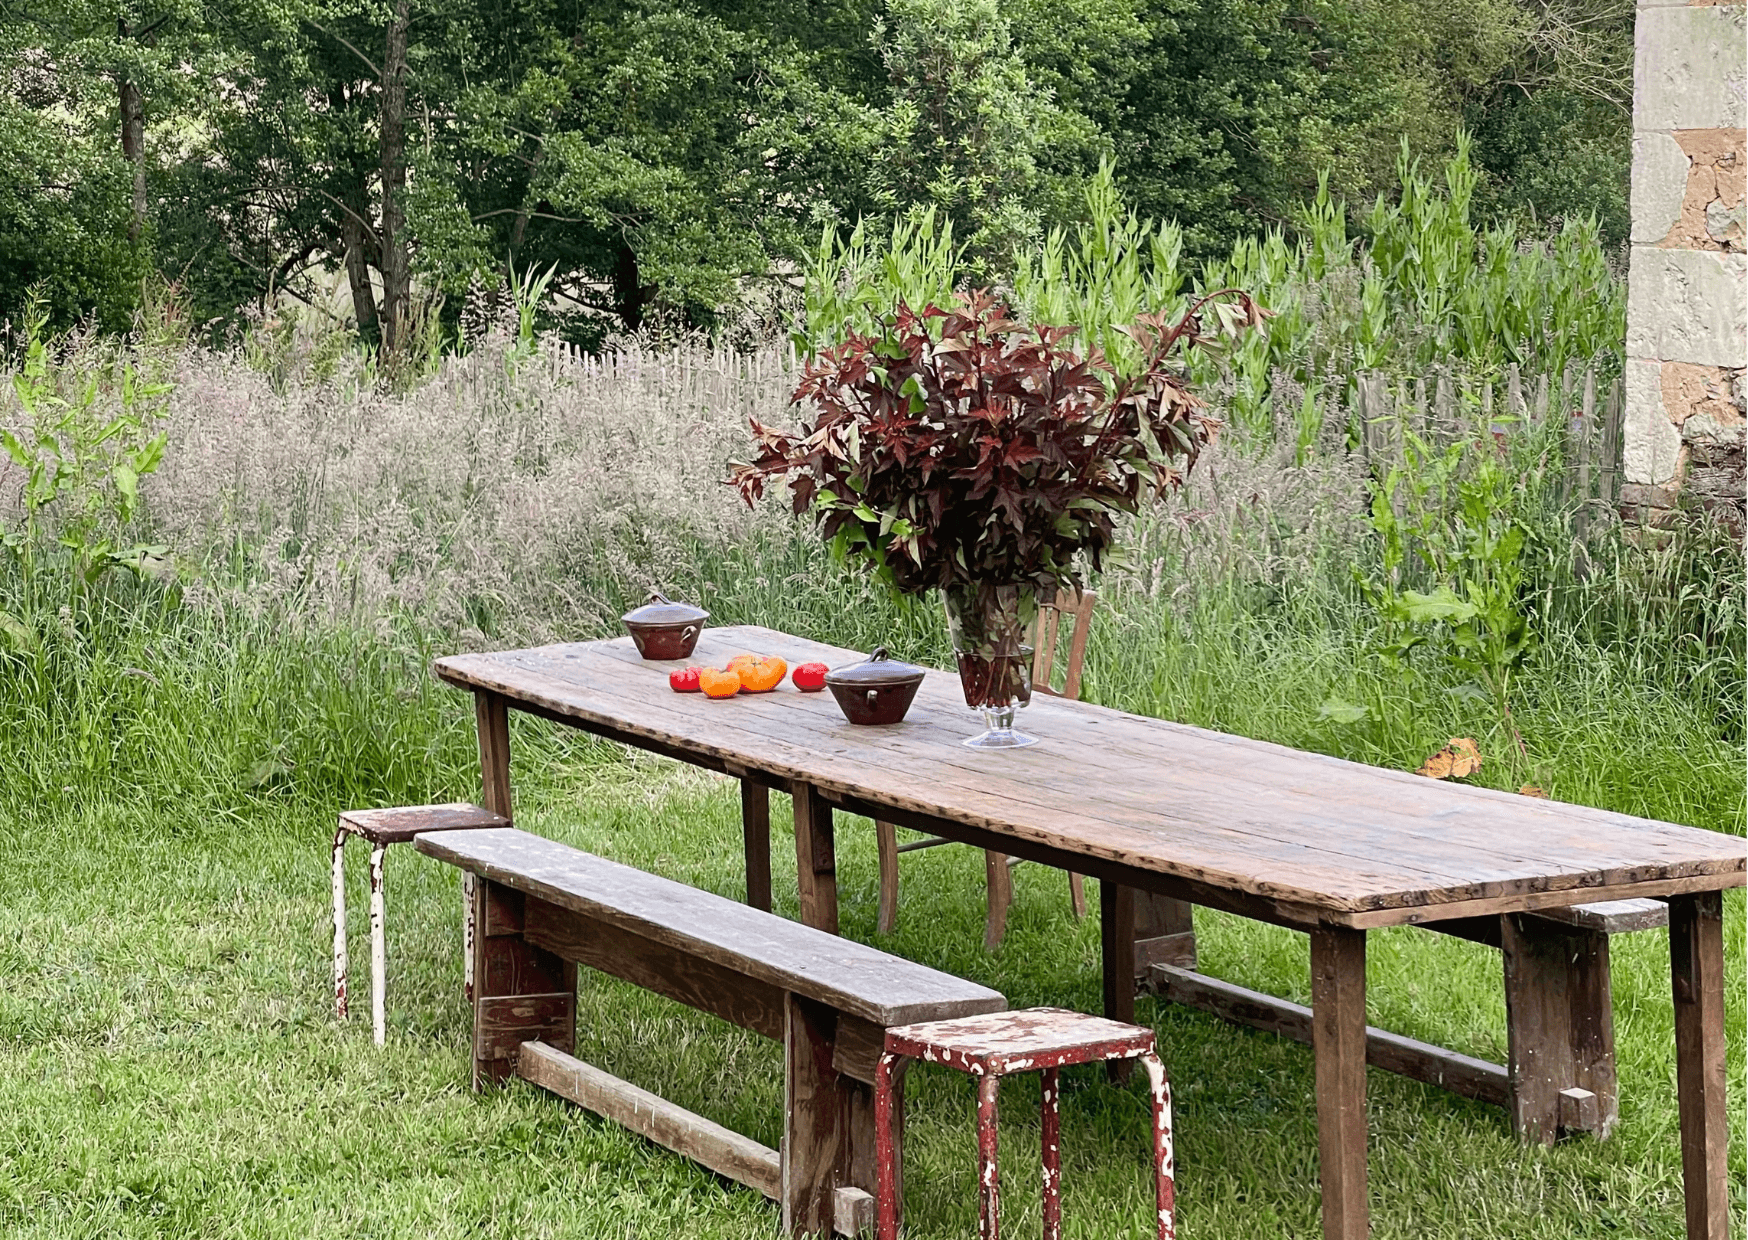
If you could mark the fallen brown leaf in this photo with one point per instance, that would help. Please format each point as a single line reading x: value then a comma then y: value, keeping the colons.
x: 1458, y: 759
x: 1530, y: 790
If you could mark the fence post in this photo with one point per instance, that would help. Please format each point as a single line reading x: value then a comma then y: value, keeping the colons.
x: 1580, y: 427
x: 1514, y: 394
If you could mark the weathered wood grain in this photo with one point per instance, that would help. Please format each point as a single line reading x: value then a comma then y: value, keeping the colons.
x: 1338, y: 1038
x: 492, y: 720
x: 816, y: 1128
x: 1559, y: 1024
x: 1365, y: 845
x: 401, y: 823
x: 816, y: 863
x: 755, y: 820
x: 1696, y: 958
x: 668, y: 1124
x: 1611, y: 916
x: 1421, y: 1061
x: 848, y: 976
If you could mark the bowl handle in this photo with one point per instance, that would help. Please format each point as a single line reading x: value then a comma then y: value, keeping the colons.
x: 689, y: 632
x: 873, y: 698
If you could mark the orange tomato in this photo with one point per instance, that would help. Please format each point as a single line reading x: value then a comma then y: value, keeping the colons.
x: 759, y: 673
x: 723, y: 684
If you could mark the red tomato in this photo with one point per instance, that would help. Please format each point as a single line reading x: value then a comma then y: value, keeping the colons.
x: 684, y: 681
x: 809, y: 677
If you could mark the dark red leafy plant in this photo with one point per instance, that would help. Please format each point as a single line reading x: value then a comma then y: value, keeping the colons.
x: 965, y: 450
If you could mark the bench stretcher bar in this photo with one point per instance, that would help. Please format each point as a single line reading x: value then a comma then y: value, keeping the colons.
x: 673, y: 1127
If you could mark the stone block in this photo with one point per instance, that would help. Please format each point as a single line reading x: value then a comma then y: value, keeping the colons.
x: 1650, y: 443
x: 1687, y: 306
x: 1690, y: 67
x: 1659, y: 185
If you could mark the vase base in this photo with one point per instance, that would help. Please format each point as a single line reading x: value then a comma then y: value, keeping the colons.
x: 999, y: 738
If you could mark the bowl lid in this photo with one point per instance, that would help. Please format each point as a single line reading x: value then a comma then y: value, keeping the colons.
x: 876, y: 670
x: 662, y: 610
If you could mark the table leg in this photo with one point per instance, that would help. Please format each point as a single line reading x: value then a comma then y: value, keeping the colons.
x: 755, y: 825
x: 1338, y: 1037
x: 816, y: 867
x: 492, y: 717
x: 1696, y: 959
x: 998, y: 882
x: 1560, y: 1025
x: 1117, y: 946
x: 1165, y: 933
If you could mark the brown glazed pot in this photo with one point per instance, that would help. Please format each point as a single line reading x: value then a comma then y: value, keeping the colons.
x: 876, y: 691
x: 665, y: 630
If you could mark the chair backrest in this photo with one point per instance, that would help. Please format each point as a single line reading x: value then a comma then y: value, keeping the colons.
x: 1077, y: 609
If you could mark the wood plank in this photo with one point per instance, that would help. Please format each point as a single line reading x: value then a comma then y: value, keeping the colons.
x: 755, y: 822
x: 504, y: 1022
x: 668, y: 1124
x: 849, y: 976
x: 816, y: 864
x: 1284, y: 797
x: 1696, y: 966
x: 1338, y: 1038
x: 723, y: 992
x: 816, y: 1131
x: 1165, y: 932
x: 1612, y: 916
x: 401, y: 823
x: 1421, y: 1061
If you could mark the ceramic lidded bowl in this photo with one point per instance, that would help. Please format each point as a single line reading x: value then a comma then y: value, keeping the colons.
x: 664, y: 629
x: 877, y: 690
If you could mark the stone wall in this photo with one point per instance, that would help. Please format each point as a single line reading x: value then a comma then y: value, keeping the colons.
x: 1687, y: 303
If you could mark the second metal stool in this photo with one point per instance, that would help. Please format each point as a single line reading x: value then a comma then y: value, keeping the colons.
x: 990, y: 1047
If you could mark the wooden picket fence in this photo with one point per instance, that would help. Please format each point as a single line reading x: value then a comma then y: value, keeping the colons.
x: 1446, y: 405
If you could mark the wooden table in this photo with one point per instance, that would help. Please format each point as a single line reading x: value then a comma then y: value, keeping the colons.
x: 1166, y: 816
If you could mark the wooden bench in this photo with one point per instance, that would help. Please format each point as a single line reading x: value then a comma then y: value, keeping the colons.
x: 1561, y: 1076
x: 542, y: 908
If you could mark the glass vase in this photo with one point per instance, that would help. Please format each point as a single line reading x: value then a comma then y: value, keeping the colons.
x: 989, y: 627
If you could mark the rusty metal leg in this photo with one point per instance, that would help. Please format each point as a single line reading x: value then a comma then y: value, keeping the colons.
x: 885, y: 1153
x: 1165, y: 1189
x: 1050, y: 1108
x: 339, y: 866
x: 467, y: 933
x: 988, y: 1187
x: 378, y: 948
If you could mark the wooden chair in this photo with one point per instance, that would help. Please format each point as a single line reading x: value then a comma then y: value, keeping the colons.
x: 998, y: 867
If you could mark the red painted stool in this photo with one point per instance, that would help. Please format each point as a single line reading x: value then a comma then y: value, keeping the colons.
x: 991, y: 1047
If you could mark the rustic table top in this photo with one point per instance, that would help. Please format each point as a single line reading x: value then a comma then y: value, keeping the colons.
x: 1350, y: 844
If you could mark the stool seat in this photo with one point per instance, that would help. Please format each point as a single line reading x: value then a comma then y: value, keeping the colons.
x: 400, y: 824
x: 1023, y: 1041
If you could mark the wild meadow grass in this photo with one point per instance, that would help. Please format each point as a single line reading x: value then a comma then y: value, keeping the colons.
x: 176, y: 747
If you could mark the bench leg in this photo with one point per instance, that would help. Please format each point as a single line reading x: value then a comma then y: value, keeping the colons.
x: 1164, y: 1158
x: 988, y: 1180
x: 1338, y: 1040
x: 522, y: 993
x: 1696, y: 958
x: 339, y: 867
x: 1560, y: 1029
x: 378, y: 948
x: 817, y: 1140
x: 1077, y: 895
x: 886, y: 841
x: 999, y: 881
x: 1050, y: 1150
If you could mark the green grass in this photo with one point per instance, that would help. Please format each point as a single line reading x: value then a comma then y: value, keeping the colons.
x: 169, y: 1065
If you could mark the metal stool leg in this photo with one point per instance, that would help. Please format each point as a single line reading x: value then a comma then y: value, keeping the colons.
x: 885, y: 1153
x: 340, y: 924
x: 467, y: 933
x: 1051, y: 1204
x: 378, y: 948
x: 988, y: 1189
x: 1162, y: 1151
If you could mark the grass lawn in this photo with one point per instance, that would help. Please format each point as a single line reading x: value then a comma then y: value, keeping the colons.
x: 170, y: 1066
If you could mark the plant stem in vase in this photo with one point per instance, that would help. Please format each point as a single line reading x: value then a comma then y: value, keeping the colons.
x: 989, y: 625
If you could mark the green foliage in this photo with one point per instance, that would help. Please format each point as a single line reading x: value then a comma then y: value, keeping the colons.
x: 86, y: 442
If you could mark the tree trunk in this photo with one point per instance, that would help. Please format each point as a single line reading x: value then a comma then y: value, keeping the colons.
x: 357, y: 241
x: 395, y: 275
x: 628, y: 294
x: 133, y: 142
